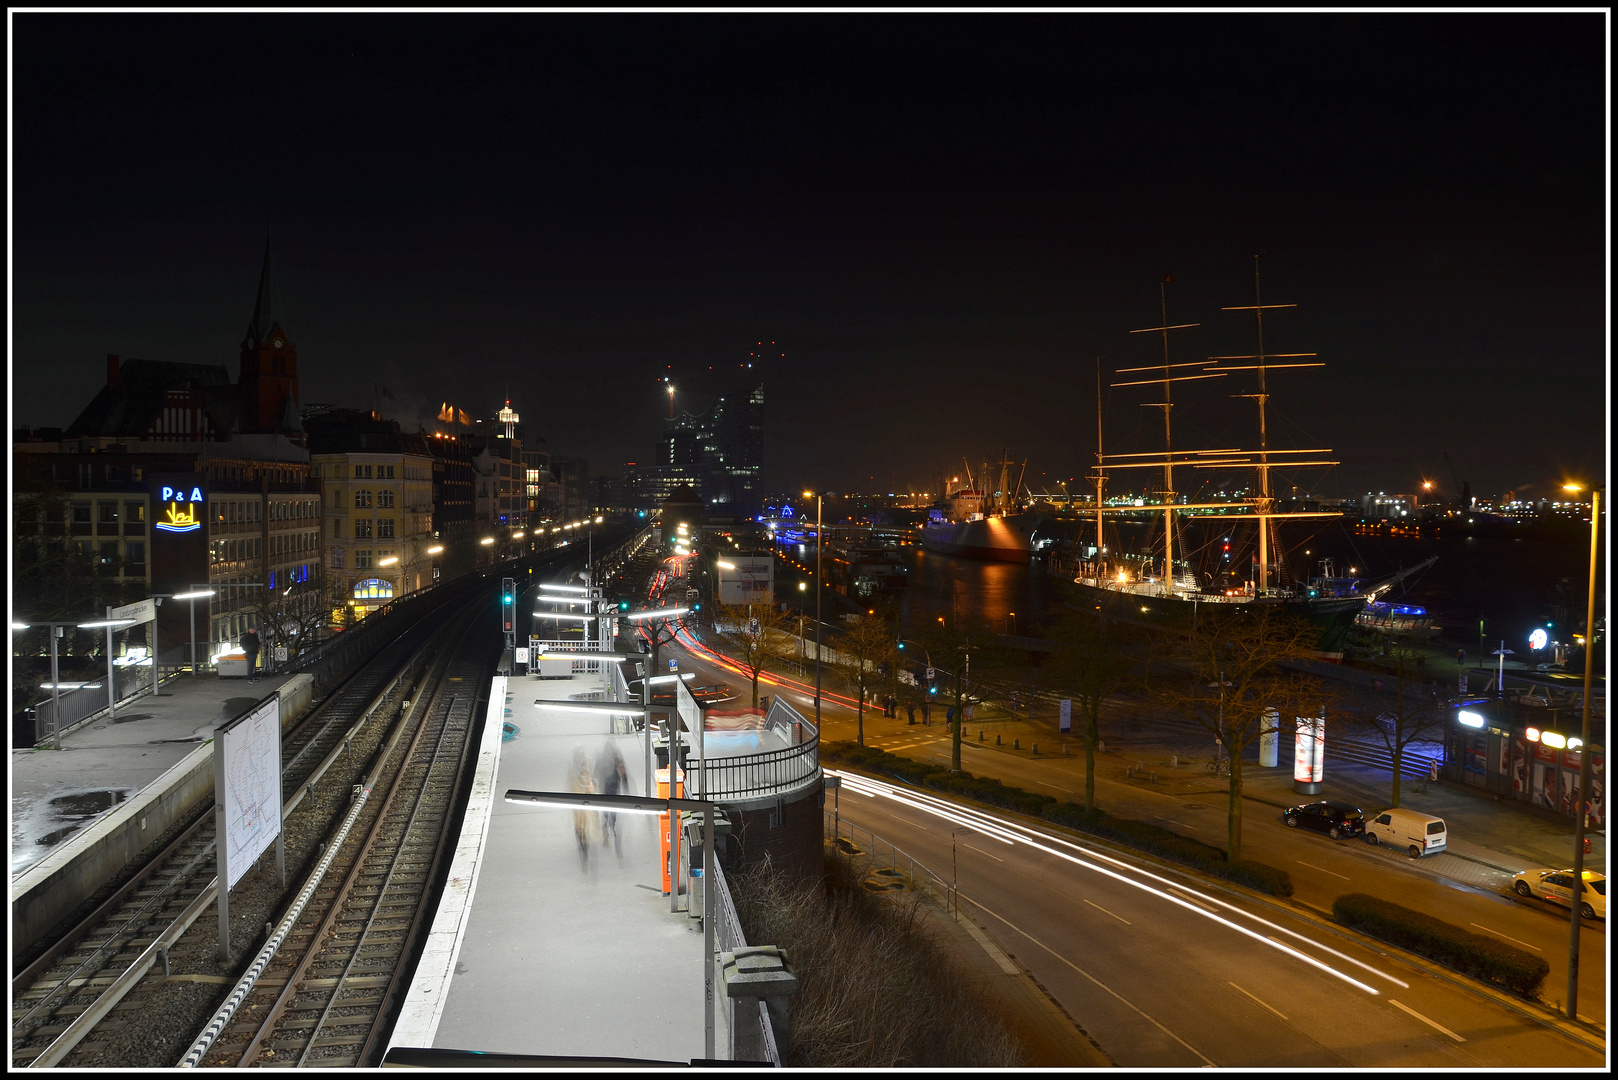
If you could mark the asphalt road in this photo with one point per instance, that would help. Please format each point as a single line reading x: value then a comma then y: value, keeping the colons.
x: 1164, y: 970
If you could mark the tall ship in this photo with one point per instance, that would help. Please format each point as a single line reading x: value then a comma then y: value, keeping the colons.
x: 992, y: 524
x: 1160, y: 586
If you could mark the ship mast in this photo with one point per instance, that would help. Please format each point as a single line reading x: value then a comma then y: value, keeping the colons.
x: 1101, y: 478
x: 1167, y: 405
x: 1264, y: 504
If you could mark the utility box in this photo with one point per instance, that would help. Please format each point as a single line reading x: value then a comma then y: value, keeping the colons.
x: 697, y: 860
x: 232, y: 666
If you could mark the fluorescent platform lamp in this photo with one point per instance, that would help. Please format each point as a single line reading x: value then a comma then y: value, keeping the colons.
x: 658, y: 613
x: 564, y: 588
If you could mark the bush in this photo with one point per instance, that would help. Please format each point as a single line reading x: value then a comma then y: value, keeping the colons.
x: 1484, y: 958
x: 876, y: 989
x: 1136, y: 834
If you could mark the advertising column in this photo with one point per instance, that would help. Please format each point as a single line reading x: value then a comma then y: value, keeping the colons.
x: 1308, y: 763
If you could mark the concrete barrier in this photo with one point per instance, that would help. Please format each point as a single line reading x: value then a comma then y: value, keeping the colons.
x: 48, y: 891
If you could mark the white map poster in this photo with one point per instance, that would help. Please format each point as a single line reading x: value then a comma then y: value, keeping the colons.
x: 247, y: 777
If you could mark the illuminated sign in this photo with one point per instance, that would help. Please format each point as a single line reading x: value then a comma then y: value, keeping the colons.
x: 179, y: 509
x: 1469, y: 718
x: 1538, y: 639
x: 1309, y: 750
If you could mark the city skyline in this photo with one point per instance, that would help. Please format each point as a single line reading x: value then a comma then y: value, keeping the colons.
x: 942, y: 225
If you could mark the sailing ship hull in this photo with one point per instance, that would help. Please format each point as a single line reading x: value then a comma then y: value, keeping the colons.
x: 995, y: 539
x: 1333, y: 615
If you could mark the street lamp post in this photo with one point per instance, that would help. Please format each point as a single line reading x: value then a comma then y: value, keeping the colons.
x: 54, y: 629
x: 655, y: 633
x: 1581, y: 809
x: 820, y: 585
x: 196, y: 594
x: 110, y: 624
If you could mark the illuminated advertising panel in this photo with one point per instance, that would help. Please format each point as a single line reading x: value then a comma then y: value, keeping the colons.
x: 179, y: 508
x: 1308, y: 764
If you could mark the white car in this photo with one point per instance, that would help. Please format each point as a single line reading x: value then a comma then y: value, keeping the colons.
x: 1557, y: 887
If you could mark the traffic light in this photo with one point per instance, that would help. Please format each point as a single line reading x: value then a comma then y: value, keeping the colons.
x: 623, y: 605
x: 901, y: 644
x: 931, y: 688
x: 508, y: 605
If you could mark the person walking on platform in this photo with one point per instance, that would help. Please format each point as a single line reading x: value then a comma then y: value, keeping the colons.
x: 581, y: 782
x: 250, y: 647
x: 612, y: 777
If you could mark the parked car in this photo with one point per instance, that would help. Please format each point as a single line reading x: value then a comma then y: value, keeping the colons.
x: 1416, y: 833
x: 1335, y: 819
x: 1557, y: 887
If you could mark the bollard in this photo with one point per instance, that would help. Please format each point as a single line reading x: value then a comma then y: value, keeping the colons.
x: 1101, y: 745
x: 1036, y: 748
x: 980, y: 734
x: 1141, y: 766
x: 1016, y: 744
x: 1064, y: 749
x: 1129, y: 773
x: 1154, y: 778
x: 1174, y: 762
x: 997, y: 738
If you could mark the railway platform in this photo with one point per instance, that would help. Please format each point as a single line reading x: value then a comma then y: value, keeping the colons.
x: 554, y: 937
x: 107, y: 761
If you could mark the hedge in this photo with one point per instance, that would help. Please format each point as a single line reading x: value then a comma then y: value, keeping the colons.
x: 1136, y: 834
x: 1485, y: 958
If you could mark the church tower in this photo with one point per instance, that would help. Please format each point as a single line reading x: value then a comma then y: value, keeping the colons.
x: 269, y: 372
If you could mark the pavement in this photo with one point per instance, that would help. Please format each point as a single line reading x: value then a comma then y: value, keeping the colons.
x: 105, y: 760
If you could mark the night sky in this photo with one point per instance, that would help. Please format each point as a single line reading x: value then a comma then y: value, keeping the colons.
x: 942, y: 220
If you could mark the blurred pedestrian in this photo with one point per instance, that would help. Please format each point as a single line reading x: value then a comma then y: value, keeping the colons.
x: 926, y: 712
x: 612, y: 777
x: 581, y: 782
x: 910, y: 708
x: 250, y: 647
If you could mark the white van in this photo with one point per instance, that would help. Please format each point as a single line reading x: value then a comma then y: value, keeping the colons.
x: 1420, y: 834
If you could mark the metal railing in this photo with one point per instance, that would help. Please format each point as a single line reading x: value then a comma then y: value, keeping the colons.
x: 728, y: 937
x: 771, y: 772
x: 918, y: 876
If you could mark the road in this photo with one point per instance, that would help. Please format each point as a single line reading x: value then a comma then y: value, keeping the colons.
x: 1165, y: 971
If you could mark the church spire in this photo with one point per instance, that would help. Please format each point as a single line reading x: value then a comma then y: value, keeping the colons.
x: 267, y: 311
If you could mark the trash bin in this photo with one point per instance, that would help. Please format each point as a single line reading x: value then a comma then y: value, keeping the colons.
x: 660, y: 747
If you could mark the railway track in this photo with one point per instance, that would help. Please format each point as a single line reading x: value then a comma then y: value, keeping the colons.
x: 326, y: 997
x: 78, y: 1001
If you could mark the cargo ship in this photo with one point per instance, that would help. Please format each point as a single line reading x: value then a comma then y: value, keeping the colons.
x: 991, y: 525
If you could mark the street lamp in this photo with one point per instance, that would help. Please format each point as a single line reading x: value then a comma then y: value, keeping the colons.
x: 1581, y: 811
x: 661, y: 615
x: 55, y: 632
x: 112, y: 687
x: 820, y: 542
x: 193, y: 597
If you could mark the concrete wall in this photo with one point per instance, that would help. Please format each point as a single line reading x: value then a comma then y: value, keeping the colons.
x: 54, y: 887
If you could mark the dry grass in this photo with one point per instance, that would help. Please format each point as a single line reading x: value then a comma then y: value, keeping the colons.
x: 876, y: 988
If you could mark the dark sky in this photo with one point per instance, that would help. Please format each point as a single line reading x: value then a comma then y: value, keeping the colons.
x: 942, y: 219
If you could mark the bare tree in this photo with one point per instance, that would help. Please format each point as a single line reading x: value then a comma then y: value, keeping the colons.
x: 1414, y: 713
x: 1238, y: 683
x: 1093, y: 664
x: 734, y: 625
x: 966, y: 640
x: 293, y: 614
x: 863, y: 648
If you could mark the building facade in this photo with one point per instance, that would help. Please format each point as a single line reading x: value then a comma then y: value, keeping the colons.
x: 377, y: 491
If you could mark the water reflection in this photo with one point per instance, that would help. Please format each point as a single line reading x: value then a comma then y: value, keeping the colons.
x: 1009, y: 597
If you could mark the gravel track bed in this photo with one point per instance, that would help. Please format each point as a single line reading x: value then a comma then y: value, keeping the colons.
x: 169, y: 1013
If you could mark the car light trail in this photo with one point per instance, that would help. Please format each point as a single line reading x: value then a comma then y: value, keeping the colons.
x: 940, y: 808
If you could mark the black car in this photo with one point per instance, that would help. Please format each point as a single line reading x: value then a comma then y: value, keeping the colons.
x: 1335, y: 819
